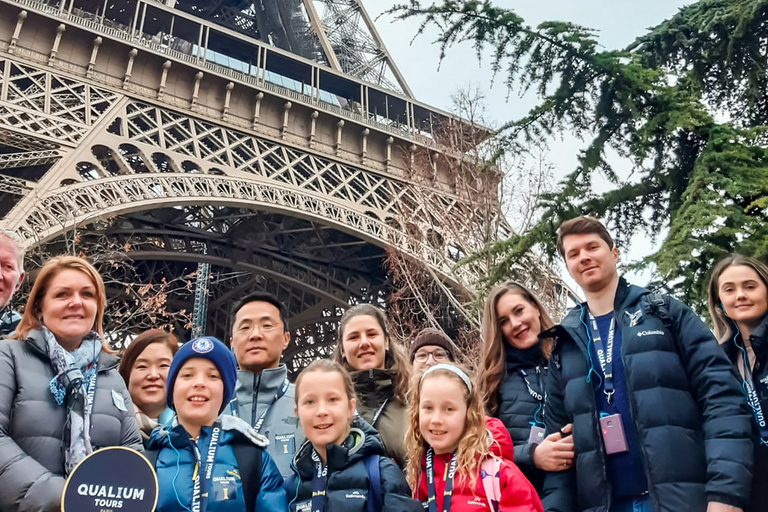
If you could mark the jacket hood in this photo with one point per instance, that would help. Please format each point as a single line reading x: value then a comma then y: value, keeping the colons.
x: 36, y: 339
x: 362, y: 441
x: 232, y: 428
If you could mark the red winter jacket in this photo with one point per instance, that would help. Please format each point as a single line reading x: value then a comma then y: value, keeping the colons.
x: 517, y: 493
x: 503, y: 442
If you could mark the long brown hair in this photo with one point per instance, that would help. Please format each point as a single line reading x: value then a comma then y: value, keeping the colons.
x: 141, y: 342
x: 475, y: 442
x: 721, y: 324
x: 52, y: 268
x: 493, y: 364
x: 393, y: 358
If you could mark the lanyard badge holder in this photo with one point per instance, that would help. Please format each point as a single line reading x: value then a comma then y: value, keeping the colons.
x: 536, y: 435
x: 611, y: 427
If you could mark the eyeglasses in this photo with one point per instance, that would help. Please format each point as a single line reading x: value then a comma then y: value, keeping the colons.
x: 438, y: 355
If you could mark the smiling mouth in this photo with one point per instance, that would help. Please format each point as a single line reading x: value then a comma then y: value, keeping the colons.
x: 521, y: 332
x: 324, y: 426
x: 197, y: 399
x: 438, y: 432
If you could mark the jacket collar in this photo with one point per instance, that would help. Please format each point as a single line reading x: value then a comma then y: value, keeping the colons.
x: 268, y: 379
x: 574, y: 325
x: 36, y: 340
x: 362, y: 441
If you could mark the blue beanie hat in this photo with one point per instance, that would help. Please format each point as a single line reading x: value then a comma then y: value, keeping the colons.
x: 205, y: 347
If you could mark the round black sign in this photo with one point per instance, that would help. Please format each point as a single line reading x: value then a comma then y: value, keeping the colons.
x: 114, y: 479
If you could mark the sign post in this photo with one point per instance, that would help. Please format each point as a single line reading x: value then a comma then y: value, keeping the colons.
x: 114, y: 479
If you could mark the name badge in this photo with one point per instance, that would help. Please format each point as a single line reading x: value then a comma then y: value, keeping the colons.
x: 119, y: 401
x: 537, y: 435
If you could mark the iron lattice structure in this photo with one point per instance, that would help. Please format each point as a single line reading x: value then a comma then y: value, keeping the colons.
x: 273, y: 142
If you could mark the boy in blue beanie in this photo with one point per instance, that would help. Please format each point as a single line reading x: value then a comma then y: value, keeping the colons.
x: 206, y: 461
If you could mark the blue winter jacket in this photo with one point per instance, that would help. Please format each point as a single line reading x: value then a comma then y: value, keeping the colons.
x: 347, y: 486
x: 687, y: 408
x: 176, y: 462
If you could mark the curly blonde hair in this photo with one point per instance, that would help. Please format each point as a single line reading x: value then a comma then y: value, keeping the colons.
x: 475, y: 441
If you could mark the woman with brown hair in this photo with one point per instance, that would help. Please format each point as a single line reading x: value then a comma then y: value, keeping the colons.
x: 61, y: 396
x: 144, y: 368
x: 513, y: 376
x: 738, y: 305
x: 380, y: 372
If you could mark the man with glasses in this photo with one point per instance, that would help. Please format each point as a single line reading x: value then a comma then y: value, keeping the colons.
x: 431, y: 347
x: 11, y: 276
x: 264, y: 397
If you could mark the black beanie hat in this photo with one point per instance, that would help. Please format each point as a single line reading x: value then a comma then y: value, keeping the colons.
x: 430, y: 336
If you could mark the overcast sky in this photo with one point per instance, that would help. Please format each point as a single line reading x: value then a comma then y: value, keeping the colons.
x: 618, y: 23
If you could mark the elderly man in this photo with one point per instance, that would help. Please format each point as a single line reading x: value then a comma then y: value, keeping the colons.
x: 11, y: 276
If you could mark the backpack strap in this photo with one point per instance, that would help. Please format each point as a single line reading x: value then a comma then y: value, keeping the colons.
x: 489, y: 473
x: 660, y: 306
x: 375, y: 503
x: 249, y: 460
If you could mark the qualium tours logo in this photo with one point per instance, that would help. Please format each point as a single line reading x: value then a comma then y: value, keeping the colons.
x: 111, y: 480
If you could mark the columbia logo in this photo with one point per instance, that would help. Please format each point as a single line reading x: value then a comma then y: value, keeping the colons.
x: 650, y: 333
x: 355, y: 494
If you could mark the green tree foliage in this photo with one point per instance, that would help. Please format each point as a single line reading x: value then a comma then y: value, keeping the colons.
x: 686, y: 104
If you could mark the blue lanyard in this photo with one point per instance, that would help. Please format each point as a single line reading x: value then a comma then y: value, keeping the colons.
x: 234, y: 406
x: 754, y: 400
x: 604, y: 355
x: 541, y: 399
x: 319, y: 480
x: 448, y: 492
x: 201, y: 489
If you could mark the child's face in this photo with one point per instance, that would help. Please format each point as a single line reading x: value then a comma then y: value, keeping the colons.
x: 324, y: 409
x: 198, y: 392
x: 442, y: 413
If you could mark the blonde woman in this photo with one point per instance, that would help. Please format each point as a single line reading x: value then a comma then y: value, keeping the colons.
x: 448, y: 448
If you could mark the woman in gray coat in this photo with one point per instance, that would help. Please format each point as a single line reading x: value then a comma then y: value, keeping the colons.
x: 61, y: 396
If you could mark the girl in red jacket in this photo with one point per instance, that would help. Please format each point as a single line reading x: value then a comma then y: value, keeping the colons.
x: 448, y: 448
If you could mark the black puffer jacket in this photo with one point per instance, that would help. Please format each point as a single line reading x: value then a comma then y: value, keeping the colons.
x: 758, y: 501
x: 517, y: 407
x: 346, y: 488
x: 694, y: 429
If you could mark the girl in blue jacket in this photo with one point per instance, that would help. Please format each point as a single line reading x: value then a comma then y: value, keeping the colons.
x: 207, y: 462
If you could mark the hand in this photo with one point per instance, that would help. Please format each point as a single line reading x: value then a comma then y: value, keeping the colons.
x: 555, y: 453
x: 721, y: 507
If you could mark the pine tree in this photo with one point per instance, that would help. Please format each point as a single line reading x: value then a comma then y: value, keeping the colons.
x: 686, y: 104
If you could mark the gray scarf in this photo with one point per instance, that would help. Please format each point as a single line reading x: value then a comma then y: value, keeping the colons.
x: 75, y: 378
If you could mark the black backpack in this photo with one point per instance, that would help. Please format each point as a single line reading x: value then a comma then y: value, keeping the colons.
x: 248, y: 457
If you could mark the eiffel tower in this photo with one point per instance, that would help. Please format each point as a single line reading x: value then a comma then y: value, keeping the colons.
x: 271, y: 142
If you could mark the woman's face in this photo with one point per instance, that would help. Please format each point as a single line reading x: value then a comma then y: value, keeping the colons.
x: 324, y: 409
x: 519, y: 320
x: 743, y: 294
x: 68, y: 307
x: 198, y: 393
x: 442, y: 413
x: 147, y: 379
x: 364, y: 344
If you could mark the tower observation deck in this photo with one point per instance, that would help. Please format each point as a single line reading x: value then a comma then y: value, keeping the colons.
x: 271, y: 139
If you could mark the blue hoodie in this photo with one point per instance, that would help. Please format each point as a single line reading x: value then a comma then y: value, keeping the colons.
x: 176, y: 463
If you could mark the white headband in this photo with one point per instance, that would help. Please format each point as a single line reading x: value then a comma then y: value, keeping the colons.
x: 450, y: 368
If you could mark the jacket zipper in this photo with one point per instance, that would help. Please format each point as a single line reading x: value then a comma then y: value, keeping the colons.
x: 255, y: 398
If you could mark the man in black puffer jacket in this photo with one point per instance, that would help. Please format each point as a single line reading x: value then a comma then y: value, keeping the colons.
x: 659, y: 420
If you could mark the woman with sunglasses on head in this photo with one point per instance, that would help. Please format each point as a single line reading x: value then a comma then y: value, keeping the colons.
x: 61, y: 396
x: 513, y: 376
x: 738, y: 303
